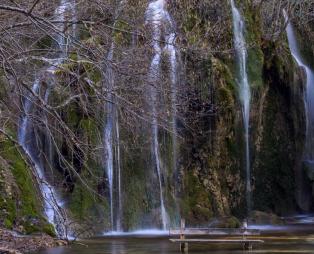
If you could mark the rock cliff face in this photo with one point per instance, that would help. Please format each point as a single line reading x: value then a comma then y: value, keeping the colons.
x: 208, y: 178
x: 213, y: 169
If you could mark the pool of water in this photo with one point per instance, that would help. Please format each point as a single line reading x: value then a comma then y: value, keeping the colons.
x: 296, y: 236
x: 286, y: 243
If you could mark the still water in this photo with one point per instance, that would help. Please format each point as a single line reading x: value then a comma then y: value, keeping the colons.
x: 295, y: 239
x: 276, y: 243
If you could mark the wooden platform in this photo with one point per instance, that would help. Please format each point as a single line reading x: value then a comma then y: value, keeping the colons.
x: 235, y: 236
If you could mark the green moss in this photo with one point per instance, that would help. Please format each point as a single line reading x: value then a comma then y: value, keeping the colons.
x: 196, y: 205
x: 169, y: 167
x: 193, y: 28
x: 8, y: 223
x: 92, y: 72
x: 136, y: 204
x: 281, y: 133
x: 255, y: 54
x: 82, y: 202
x: 122, y: 35
x: 48, y: 229
x: 225, y: 97
x: 224, y: 75
x: 255, y: 67
x: 90, y: 128
x: 73, y: 115
x: 138, y: 198
x: 45, y: 42
x: 192, y: 20
x: 25, y: 202
x: 233, y: 222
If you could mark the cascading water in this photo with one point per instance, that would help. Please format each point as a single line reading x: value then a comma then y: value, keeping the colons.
x: 52, y: 203
x: 170, y: 48
x: 118, y: 159
x: 173, y: 55
x: 244, y: 89
x: 308, y: 98
x: 108, y: 132
x: 112, y: 142
x: 157, y: 16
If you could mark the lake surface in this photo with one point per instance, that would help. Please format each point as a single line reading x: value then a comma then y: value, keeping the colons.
x: 276, y: 243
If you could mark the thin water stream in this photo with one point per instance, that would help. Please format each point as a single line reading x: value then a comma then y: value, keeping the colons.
x: 108, y: 132
x: 244, y: 91
x: 111, y: 139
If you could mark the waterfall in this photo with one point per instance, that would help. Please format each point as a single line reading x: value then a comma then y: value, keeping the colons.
x: 171, y: 50
x: 111, y: 139
x: 108, y: 132
x: 244, y: 90
x: 118, y: 159
x: 308, y: 97
x: 173, y: 59
x: 52, y: 202
x: 157, y: 16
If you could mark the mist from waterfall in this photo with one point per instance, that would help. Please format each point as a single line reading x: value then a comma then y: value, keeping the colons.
x: 244, y: 91
x: 52, y: 202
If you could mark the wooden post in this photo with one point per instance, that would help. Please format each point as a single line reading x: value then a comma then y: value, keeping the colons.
x: 183, y: 246
x: 248, y: 246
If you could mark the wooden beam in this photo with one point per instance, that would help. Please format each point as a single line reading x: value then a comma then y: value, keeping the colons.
x: 216, y: 241
x: 214, y: 231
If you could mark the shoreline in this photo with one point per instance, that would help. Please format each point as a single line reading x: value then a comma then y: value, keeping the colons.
x: 13, y: 243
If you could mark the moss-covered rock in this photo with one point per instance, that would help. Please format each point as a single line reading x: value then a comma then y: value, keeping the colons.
x: 20, y: 203
x: 280, y: 134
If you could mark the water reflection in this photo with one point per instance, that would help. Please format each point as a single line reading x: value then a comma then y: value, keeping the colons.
x: 289, y: 243
x: 117, y: 248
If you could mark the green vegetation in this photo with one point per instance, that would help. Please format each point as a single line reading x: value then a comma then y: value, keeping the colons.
x: 20, y: 204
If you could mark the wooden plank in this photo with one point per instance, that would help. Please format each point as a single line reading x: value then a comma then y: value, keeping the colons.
x: 216, y: 241
x: 213, y: 231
